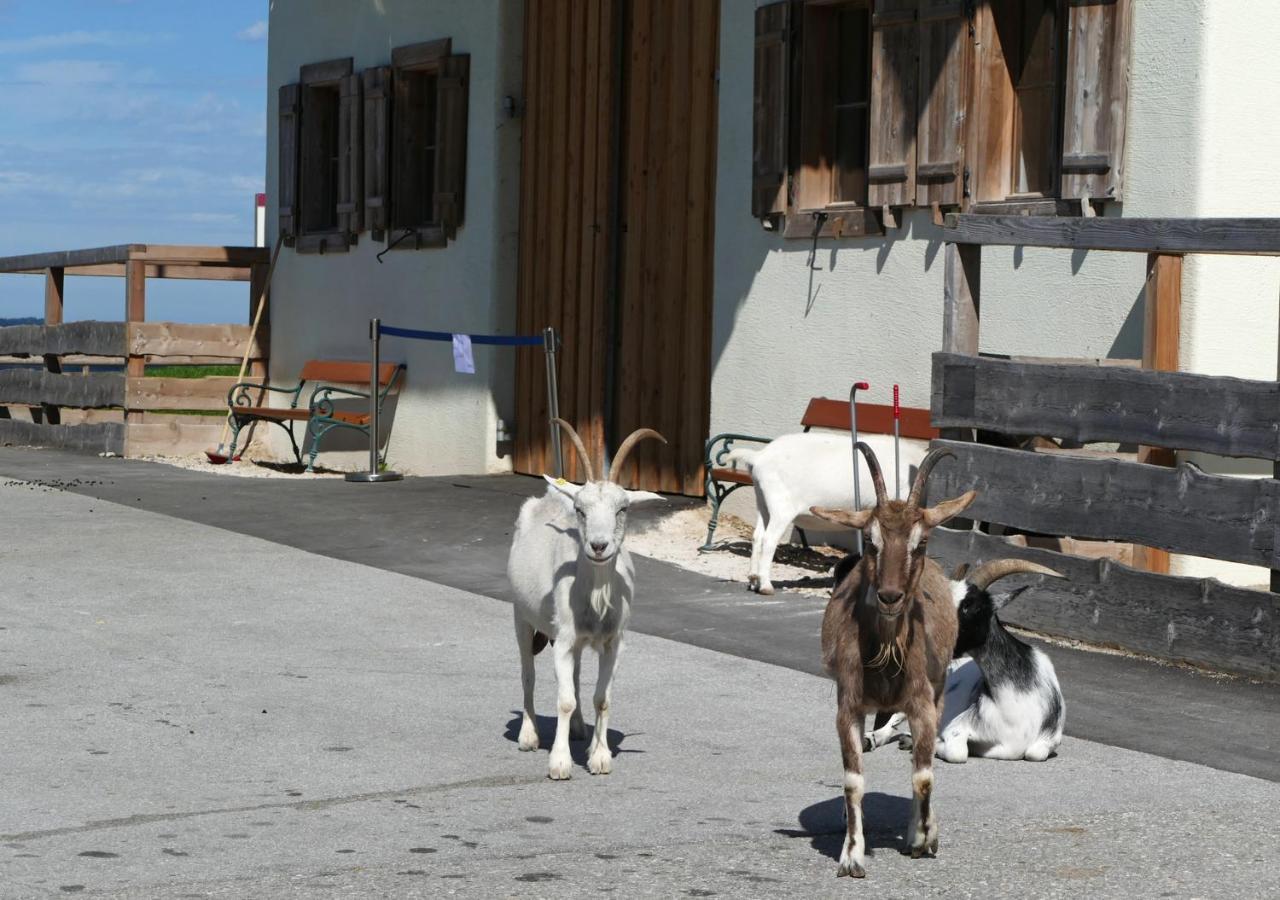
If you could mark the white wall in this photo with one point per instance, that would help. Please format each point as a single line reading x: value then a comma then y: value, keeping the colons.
x: 445, y: 423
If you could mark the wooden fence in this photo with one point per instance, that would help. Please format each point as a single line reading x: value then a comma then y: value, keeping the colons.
x: 50, y: 393
x: 1144, y: 498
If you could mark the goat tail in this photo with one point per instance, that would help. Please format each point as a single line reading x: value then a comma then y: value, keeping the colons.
x: 540, y: 642
x: 743, y: 455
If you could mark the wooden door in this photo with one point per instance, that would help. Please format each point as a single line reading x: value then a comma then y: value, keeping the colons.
x: 617, y: 236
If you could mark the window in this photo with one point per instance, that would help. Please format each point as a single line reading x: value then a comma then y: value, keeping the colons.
x: 383, y: 149
x: 863, y: 107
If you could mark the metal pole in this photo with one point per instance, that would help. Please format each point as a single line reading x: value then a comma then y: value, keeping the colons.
x: 373, y: 475
x: 897, y: 436
x: 553, y: 397
x: 853, y: 431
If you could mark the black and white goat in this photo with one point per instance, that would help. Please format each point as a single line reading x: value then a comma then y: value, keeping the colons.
x: 1004, y: 702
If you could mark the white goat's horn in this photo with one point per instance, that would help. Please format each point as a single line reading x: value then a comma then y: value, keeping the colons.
x: 578, y: 445
x: 620, y: 458
x: 989, y: 572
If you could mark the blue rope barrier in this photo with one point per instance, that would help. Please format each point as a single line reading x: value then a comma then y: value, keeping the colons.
x: 502, y: 340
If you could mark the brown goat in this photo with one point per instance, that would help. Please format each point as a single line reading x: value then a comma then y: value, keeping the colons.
x: 887, y: 636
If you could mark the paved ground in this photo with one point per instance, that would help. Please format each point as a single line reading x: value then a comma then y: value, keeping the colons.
x: 341, y: 730
x: 455, y: 531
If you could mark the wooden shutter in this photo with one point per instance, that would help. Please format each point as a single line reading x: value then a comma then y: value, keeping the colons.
x: 891, y: 172
x: 1097, y: 91
x: 945, y: 55
x: 769, y: 124
x: 287, y: 173
x: 451, y: 141
x: 377, y: 142
x: 350, y: 162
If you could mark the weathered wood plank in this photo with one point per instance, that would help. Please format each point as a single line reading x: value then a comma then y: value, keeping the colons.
x: 190, y: 273
x: 178, y: 393
x: 1234, y: 235
x: 103, y: 437
x: 176, y: 339
x: 1225, y: 416
x: 176, y: 254
x: 90, y: 338
x: 1100, y: 601
x: 962, y: 299
x: 179, y: 437
x: 52, y: 389
x: 1181, y: 510
x: 65, y: 259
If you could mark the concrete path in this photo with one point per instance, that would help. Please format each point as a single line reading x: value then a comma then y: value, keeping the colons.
x: 190, y: 712
x: 456, y: 531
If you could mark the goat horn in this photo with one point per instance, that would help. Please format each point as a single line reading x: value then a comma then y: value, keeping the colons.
x: 922, y: 475
x: 620, y: 458
x: 989, y: 572
x: 877, y: 477
x: 578, y: 445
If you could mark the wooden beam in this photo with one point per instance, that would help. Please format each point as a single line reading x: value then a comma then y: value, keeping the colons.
x: 1234, y: 235
x: 178, y: 437
x: 37, y: 387
x: 92, y: 338
x: 188, y: 272
x: 257, y: 284
x: 53, y: 306
x: 66, y: 259
x: 1181, y: 510
x: 178, y: 393
x: 135, y: 310
x: 104, y: 437
x: 176, y: 339
x: 1203, y: 622
x: 1224, y: 416
x: 961, y: 297
x: 175, y: 254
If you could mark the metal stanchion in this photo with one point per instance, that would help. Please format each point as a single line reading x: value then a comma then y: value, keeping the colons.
x: 853, y: 431
x: 553, y: 397
x: 375, y: 338
x: 897, y: 438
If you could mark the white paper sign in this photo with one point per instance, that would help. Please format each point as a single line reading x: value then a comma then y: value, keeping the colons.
x: 463, y: 360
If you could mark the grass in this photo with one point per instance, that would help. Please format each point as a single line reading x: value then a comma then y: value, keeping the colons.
x: 190, y: 371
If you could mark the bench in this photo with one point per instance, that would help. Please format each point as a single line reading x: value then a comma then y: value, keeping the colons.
x: 246, y: 402
x: 822, y: 412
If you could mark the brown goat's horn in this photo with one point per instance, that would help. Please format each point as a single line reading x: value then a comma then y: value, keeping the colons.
x: 620, y: 458
x: 578, y: 445
x: 989, y: 572
x: 922, y: 475
x: 877, y: 477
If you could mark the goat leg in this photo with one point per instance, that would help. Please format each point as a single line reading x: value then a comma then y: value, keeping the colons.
x: 567, y: 653
x: 849, y: 724
x: 577, y: 727
x: 599, y: 756
x: 528, y: 739
x: 922, y: 833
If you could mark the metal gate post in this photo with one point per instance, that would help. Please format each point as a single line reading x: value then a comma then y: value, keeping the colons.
x: 549, y: 342
x: 373, y: 475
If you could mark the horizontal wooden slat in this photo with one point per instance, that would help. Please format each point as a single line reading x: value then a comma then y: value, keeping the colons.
x: 189, y: 272
x: 33, y: 386
x: 104, y: 437
x: 178, y: 393
x: 1103, y: 602
x: 60, y: 259
x: 75, y: 359
x: 180, y: 437
x: 1234, y: 235
x: 1181, y: 510
x: 1226, y: 416
x: 873, y: 418
x: 175, y: 339
x: 92, y: 338
x: 200, y: 255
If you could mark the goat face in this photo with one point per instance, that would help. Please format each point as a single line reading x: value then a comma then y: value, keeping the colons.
x: 600, y: 508
x: 896, y: 534
x: 976, y: 613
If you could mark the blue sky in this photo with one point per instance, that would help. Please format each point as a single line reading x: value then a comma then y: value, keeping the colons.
x: 130, y: 121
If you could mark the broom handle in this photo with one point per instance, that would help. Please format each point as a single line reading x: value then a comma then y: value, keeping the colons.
x: 253, y: 330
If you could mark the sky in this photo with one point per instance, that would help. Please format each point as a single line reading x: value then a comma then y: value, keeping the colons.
x: 130, y: 121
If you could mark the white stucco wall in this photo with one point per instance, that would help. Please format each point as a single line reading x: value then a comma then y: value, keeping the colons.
x: 445, y: 422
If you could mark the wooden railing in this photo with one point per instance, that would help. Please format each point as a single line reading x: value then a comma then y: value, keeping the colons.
x: 1147, y: 500
x: 47, y: 402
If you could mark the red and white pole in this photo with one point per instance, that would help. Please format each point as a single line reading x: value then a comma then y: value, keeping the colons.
x: 897, y: 476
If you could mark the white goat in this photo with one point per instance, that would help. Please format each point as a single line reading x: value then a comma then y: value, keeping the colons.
x: 573, y: 582
x: 799, y: 471
x: 1004, y: 702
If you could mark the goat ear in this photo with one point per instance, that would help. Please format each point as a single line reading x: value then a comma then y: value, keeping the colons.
x: 936, y: 515
x: 643, y: 496
x: 846, y: 517
x: 568, y: 488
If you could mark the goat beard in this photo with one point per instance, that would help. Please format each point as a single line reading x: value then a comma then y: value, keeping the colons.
x: 891, y: 637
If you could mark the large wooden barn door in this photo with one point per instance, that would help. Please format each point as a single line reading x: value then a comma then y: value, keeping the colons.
x: 616, y: 228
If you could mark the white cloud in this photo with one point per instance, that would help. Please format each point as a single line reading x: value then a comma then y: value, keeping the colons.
x: 255, y: 32
x: 38, y: 43
x: 70, y: 72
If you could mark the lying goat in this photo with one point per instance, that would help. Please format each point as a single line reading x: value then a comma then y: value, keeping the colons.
x: 1002, y: 703
x: 795, y: 473
x: 573, y: 583
x: 887, y: 634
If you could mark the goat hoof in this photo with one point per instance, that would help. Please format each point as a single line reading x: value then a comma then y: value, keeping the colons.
x: 753, y: 582
x: 765, y: 590
x: 851, y: 870
x: 528, y: 738
x: 925, y: 850
x: 600, y: 762
x: 867, y: 745
x: 906, y: 742
x: 561, y: 768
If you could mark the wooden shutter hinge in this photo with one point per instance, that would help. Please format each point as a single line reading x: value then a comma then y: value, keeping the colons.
x: 971, y: 13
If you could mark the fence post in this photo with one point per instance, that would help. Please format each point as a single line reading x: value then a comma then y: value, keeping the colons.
x: 53, y: 286
x: 961, y: 321
x: 135, y: 310
x: 373, y: 475
x: 553, y: 397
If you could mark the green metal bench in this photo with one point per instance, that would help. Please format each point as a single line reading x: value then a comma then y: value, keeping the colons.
x: 247, y: 402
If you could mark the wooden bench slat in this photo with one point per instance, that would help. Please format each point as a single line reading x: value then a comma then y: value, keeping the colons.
x: 873, y: 418
x: 345, y: 372
x: 735, y: 475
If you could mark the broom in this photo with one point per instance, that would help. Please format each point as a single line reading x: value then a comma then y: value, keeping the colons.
x: 219, y: 456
